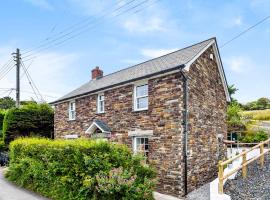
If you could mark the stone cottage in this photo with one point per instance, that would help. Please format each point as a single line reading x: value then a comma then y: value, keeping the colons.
x: 171, y: 108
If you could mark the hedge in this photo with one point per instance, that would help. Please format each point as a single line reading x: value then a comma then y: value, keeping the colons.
x: 30, y: 120
x: 79, y: 169
x: 2, y: 115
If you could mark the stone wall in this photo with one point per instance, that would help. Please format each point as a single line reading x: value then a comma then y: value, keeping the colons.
x: 207, y: 119
x: 164, y: 117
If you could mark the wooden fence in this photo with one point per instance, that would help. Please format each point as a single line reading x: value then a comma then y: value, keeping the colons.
x: 243, y: 166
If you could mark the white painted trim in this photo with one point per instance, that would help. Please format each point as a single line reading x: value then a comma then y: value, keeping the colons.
x: 98, y: 106
x: 187, y: 66
x: 138, y: 84
x: 220, y: 66
x: 69, y: 111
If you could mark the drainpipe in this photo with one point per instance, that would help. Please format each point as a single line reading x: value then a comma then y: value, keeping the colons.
x: 185, y: 124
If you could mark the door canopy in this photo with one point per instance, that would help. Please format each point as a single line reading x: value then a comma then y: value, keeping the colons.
x: 99, y: 129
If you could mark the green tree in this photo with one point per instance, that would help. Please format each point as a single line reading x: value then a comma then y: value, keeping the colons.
x: 263, y: 103
x: 7, y: 103
x: 232, y: 90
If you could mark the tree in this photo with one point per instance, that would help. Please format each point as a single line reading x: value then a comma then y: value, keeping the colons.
x: 232, y: 90
x: 7, y: 103
x: 263, y: 103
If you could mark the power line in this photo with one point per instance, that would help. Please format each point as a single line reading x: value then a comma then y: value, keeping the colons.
x: 82, y: 26
x: 6, y: 72
x: 32, y: 84
x: 245, y: 31
x: 63, y: 40
x: 5, y: 67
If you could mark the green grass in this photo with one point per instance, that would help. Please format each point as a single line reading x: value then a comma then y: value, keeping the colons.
x: 263, y: 115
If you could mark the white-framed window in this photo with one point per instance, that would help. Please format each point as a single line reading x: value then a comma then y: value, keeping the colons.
x: 100, y: 103
x: 141, y: 97
x: 141, y: 145
x: 72, y: 110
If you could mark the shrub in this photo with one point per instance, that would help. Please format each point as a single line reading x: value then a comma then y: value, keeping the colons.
x: 254, y: 137
x: 29, y: 120
x: 79, y: 169
x: 2, y: 115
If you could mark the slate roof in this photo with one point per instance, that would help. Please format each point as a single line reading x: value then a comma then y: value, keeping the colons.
x: 102, y: 125
x: 157, y: 65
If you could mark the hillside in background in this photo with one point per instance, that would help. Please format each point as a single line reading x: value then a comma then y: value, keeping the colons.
x: 260, y: 119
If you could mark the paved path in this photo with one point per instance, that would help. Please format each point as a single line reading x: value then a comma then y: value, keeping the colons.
x: 9, y: 191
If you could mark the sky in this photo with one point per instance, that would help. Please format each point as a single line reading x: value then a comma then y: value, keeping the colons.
x: 62, y: 41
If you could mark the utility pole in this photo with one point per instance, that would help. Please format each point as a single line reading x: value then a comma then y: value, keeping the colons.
x: 17, y: 57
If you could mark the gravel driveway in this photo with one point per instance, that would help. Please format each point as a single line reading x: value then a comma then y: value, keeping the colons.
x: 255, y: 187
x: 9, y: 191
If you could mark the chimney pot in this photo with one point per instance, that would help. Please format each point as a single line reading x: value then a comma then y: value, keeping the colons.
x: 97, y: 73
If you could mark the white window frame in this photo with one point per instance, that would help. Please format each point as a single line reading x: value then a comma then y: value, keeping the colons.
x: 134, y: 145
x: 98, y: 103
x: 70, y: 111
x: 135, y: 99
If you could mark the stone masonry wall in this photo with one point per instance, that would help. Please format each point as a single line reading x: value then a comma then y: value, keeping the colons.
x: 164, y: 117
x: 207, y: 119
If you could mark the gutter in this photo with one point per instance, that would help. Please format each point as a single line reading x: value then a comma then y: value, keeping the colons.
x: 185, y: 124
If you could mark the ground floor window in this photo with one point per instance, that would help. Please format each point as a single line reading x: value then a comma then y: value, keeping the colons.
x: 141, y: 145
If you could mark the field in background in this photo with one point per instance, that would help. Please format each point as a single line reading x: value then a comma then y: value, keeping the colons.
x: 262, y: 115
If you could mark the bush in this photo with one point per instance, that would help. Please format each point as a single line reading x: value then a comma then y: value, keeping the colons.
x: 79, y: 169
x: 254, y: 137
x: 29, y: 120
x: 2, y: 115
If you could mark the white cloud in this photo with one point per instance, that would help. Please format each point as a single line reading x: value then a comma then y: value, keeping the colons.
x: 49, y: 71
x: 238, y: 21
x: 153, y: 53
x: 141, y: 24
x: 239, y: 64
x: 44, y: 4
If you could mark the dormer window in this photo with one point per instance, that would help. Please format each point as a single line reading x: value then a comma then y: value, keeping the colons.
x: 100, y: 103
x: 141, y: 97
x: 72, y: 110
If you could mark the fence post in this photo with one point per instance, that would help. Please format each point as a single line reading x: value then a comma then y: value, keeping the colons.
x: 262, y: 156
x: 220, y: 177
x: 244, y: 167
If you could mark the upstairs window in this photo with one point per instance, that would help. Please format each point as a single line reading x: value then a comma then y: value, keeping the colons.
x: 141, y: 146
x: 100, y: 103
x: 141, y: 97
x: 72, y: 110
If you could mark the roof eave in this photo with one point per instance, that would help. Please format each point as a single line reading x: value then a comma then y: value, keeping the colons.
x: 118, y: 84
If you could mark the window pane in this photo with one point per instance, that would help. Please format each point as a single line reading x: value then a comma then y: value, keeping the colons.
x: 142, y: 90
x: 101, y: 97
x: 142, y: 102
x: 101, y: 107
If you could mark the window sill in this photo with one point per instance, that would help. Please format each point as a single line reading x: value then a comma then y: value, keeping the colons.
x: 71, y: 120
x: 100, y: 113
x: 138, y: 110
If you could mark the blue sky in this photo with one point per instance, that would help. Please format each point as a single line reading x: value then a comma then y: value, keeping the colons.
x: 119, y: 42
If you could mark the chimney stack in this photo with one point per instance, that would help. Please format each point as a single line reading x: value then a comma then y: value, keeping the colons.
x: 97, y: 73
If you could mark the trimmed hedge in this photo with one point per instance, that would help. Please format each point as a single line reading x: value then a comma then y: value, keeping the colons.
x: 79, y: 169
x: 29, y: 120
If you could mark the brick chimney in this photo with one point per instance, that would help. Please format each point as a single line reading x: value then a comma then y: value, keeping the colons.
x: 97, y: 73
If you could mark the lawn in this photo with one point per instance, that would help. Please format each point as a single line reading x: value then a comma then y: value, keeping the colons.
x: 263, y: 115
